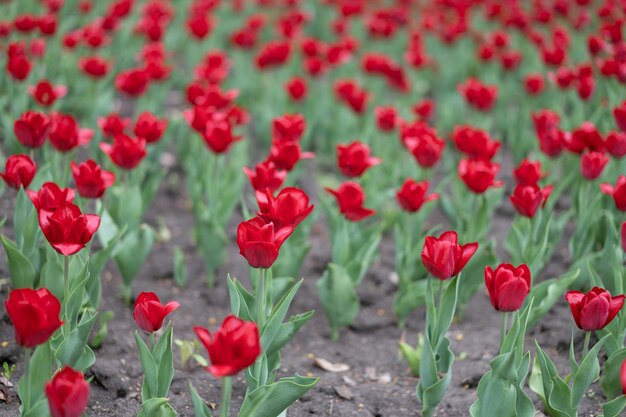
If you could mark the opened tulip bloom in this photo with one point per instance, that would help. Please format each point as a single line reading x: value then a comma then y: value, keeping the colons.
x: 288, y: 208
x: 412, y: 195
x: 288, y: 128
x: 354, y: 159
x: 125, y: 152
x: 351, y: 198
x: 444, y: 257
x: 19, y: 171
x: 67, y: 393
x: 475, y: 143
x: 594, y: 310
x: 91, y: 180
x: 149, y: 128
x: 51, y: 197
x: 35, y: 315
x: 479, y: 175
x: 232, y: 348
x: 31, y: 129
x: 528, y: 198
x: 67, y: 229
x: 259, y: 242
x: 285, y: 155
x: 65, y: 134
x: 508, y: 286
x: 618, y: 192
x: 149, y: 313
x: 528, y: 172
x: 265, y: 175
x: 45, y: 93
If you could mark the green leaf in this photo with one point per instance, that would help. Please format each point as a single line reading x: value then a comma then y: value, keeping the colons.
x: 132, y: 251
x: 241, y: 301
x: 156, y: 407
x: 588, y: 371
x: 413, y: 356
x: 271, y: 328
x: 199, y: 406
x: 180, y: 270
x: 73, y: 348
x: 150, y: 370
x: 164, y: 358
x: 22, y: 271
x: 338, y: 297
x: 97, y: 262
x: 39, y: 373
x: 614, y: 408
x: 271, y: 400
x: 547, y: 293
x: 287, y: 331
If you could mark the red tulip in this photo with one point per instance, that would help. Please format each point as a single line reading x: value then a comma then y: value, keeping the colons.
x: 508, y: 286
x: 265, y: 175
x: 352, y: 95
x: 68, y: 393
x: 285, y: 155
x: 585, y: 137
x: 199, y: 25
x: 412, y: 195
x: 443, y: 257
x: 113, y: 125
x: 479, y: 95
x: 232, y: 348
x: 425, y: 109
x: 218, y: 136
x: 534, y: 84
x: 297, y: 89
x: 618, y: 192
x: 350, y: 197
x: 65, y: 134
x: 67, y: 229
x: 259, y: 242
x: 592, y: 164
x: 132, y: 82
x: 478, y: 175
x: 545, y: 121
x: 94, y: 66
x: 386, y: 118
x: 619, y: 114
x: 475, y: 143
x: 149, y: 313
x: 616, y: 144
x: 35, y: 315
x: 528, y: 172
x: 288, y: 128
x: 149, y: 128
x: 125, y: 152
x: 623, y: 376
x: 354, y: 159
x: 288, y: 208
x: 273, y: 54
x: 19, y: 67
x: 422, y: 141
x: 594, y: 310
x: 91, y: 180
x: 46, y: 94
x: 528, y: 198
x: 19, y: 171
x: 31, y: 129
x: 51, y: 197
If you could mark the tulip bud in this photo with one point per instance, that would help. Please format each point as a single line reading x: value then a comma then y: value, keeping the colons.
x: 19, y: 171
x: 594, y: 310
x: 149, y: 313
x: 508, y: 286
x: 354, y: 159
x: 68, y: 393
x: 592, y: 164
x: 350, y: 197
x: 443, y: 257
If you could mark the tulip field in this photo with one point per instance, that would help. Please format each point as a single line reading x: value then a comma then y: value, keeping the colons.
x: 271, y: 208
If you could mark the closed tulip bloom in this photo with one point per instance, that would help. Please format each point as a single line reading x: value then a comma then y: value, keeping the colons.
x: 150, y: 128
x: 67, y: 393
x: 50, y: 197
x: 288, y: 208
x: 31, y: 129
x: 67, y: 229
x: 125, y: 152
x: 149, y: 313
x: 288, y: 128
x: 285, y: 155
x: 619, y: 114
x: 19, y: 67
x: 479, y: 95
x: 412, y: 195
x: 618, y: 192
x: 218, y: 136
x: 584, y: 137
x: 297, y: 89
x: 475, y: 143
x: 350, y: 197
x: 508, y: 286
x: 34, y: 314
x: 19, y: 171
x: 94, y: 66
x: 65, y: 134
x: 534, y: 84
x: 443, y: 257
x: 232, y: 348
x: 354, y: 159
x: 113, y: 125
x: 45, y: 93
x: 132, y: 82
x: 386, y: 118
x: 425, y: 148
x: 259, y: 242
x: 479, y: 175
x: 592, y: 164
x: 265, y: 175
x: 594, y: 310
x: 528, y: 198
x: 91, y: 180
x: 528, y: 172
x: 616, y: 144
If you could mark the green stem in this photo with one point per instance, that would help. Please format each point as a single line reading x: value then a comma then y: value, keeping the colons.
x: 66, y: 279
x: 152, y: 341
x: 586, y: 345
x: 26, y: 399
x: 227, y: 387
x: 260, y: 299
x: 505, y: 319
x: 440, y: 298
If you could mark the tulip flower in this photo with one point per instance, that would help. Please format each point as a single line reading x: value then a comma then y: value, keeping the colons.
x: 259, y: 242
x: 149, y: 128
x: 479, y: 95
x: 65, y: 134
x: 594, y: 310
x: 68, y: 393
x: 218, y: 136
x: 19, y: 171
x: 31, y: 129
x: 534, y: 84
x: 51, y: 197
x: 528, y: 172
x: 265, y: 175
x: 132, y: 82
x: 351, y: 94
x: 286, y: 154
x: 354, y: 159
x: 112, y: 125
x: 94, y: 66
x: 232, y: 348
x: 67, y: 229
x: 125, y: 152
x: 623, y: 377
x: 297, y: 89
x: 386, y: 118
x: 425, y: 109
x: 616, y: 144
x: 34, y: 314
x: 592, y: 164
x: 619, y: 114
x: 618, y: 192
x: 350, y: 197
x: 443, y: 257
x: 91, y: 180
x: 479, y: 175
x: 45, y: 93
x: 475, y: 143
x: 508, y: 286
x: 584, y: 137
x: 288, y: 128
x: 290, y: 207
x: 149, y: 313
x: 412, y: 195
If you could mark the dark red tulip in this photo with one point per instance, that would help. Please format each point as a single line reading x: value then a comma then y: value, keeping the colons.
x: 528, y: 172
x: 94, y: 66
x: 386, y: 118
x: 412, y: 195
x: 91, y: 180
x: 351, y: 94
x: 50, y: 197
x: 619, y: 114
x: 479, y: 95
x: 232, y: 348
x: 297, y: 89
x: 479, y: 175
x: 354, y: 159
x: 67, y: 229
x: 31, y: 129
x: 475, y: 143
x: 132, y: 82
x: 34, y: 314
x: 288, y: 208
x: 273, y: 54
x: 623, y: 377
x: 286, y: 154
x: 443, y: 257
x: 592, y: 164
x: 259, y: 242
x: 125, y: 152
x: 422, y: 141
x: 113, y: 125
x: 616, y: 144
x: 218, y: 136
x: 19, y: 67
x: 288, y: 128
x: 425, y: 109
x: 67, y: 393
x: 534, y: 84
x: 65, y: 134
x: 586, y: 136
x: 45, y: 93
x: 618, y: 192
x: 19, y: 171
x: 528, y: 198
x: 508, y: 286
x: 594, y: 310
x: 265, y: 175
x: 149, y: 128
x: 350, y: 197
x: 149, y: 313
x: 545, y: 120
x: 199, y: 25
